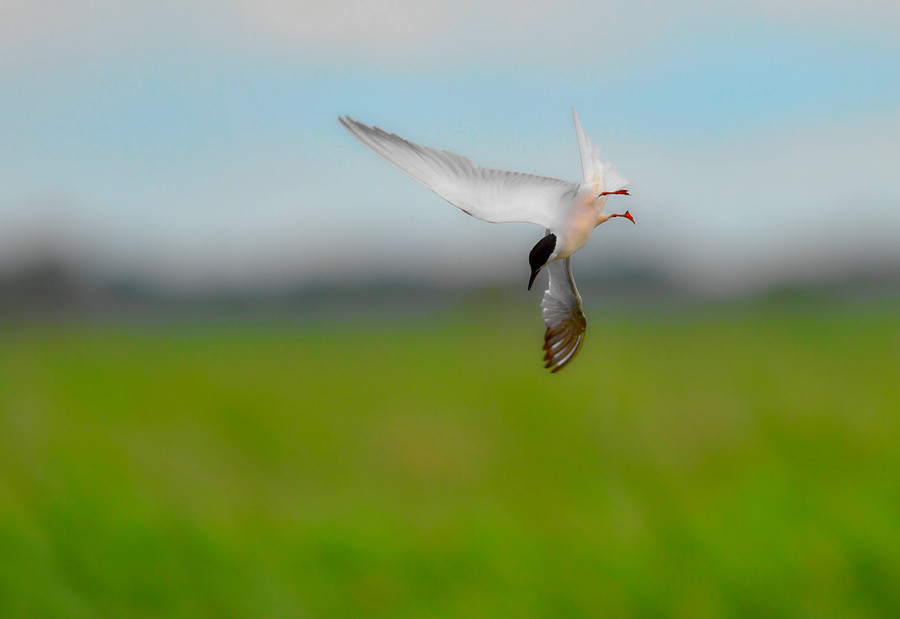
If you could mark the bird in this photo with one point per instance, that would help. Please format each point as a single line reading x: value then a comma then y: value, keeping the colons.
x: 568, y: 211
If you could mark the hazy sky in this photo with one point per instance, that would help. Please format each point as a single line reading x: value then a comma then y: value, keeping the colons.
x: 198, y: 140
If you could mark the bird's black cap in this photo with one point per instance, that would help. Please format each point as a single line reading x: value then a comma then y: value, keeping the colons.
x: 539, y: 255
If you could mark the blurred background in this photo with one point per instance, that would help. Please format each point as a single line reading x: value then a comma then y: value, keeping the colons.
x: 249, y: 369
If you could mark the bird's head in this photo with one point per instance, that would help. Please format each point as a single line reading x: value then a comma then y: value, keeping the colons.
x: 543, y: 252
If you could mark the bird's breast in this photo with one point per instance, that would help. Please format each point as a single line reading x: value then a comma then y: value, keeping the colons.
x: 580, y: 223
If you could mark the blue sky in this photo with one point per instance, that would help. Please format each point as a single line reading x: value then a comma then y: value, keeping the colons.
x: 197, y: 142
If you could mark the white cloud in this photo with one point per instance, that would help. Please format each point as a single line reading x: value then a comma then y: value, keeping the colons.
x: 419, y: 34
x: 55, y: 34
x: 389, y: 25
x: 583, y: 33
x: 409, y: 33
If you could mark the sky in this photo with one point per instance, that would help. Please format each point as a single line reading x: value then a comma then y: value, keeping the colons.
x: 196, y: 143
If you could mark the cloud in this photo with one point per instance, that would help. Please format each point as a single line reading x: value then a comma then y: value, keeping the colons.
x: 410, y: 33
x: 391, y: 26
x: 586, y: 35
x: 56, y: 34
x: 872, y: 15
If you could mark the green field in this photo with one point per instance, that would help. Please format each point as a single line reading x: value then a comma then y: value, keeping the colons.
x: 739, y: 462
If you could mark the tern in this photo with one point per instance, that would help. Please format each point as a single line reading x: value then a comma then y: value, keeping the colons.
x: 568, y: 212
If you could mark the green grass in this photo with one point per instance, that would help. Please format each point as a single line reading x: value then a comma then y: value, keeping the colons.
x: 738, y: 463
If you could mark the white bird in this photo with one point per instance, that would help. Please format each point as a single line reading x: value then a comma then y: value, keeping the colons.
x: 567, y: 210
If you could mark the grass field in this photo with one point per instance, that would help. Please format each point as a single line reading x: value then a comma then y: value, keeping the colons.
x: 741, y: 462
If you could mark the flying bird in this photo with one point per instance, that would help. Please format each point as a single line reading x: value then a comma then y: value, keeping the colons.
x: 568, y: 212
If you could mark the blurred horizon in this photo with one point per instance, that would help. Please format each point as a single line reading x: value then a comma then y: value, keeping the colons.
x: 48, y: 285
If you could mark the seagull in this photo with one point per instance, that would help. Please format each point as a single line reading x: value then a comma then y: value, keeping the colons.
x: 568, y: 212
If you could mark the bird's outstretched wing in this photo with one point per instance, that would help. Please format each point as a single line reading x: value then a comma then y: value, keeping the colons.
x: 563, y: 316
x: 590, y: 155
x: 603, y: 176
x: 489, y: 194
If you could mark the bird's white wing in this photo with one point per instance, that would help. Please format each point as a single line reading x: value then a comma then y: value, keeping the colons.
x: 489, y: 194
x: 563, y: 316
x: 603, y: 175
x: 587, y: 152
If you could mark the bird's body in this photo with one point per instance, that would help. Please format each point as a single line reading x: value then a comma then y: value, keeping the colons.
x: 579, y: 221
x: 567, y: 211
